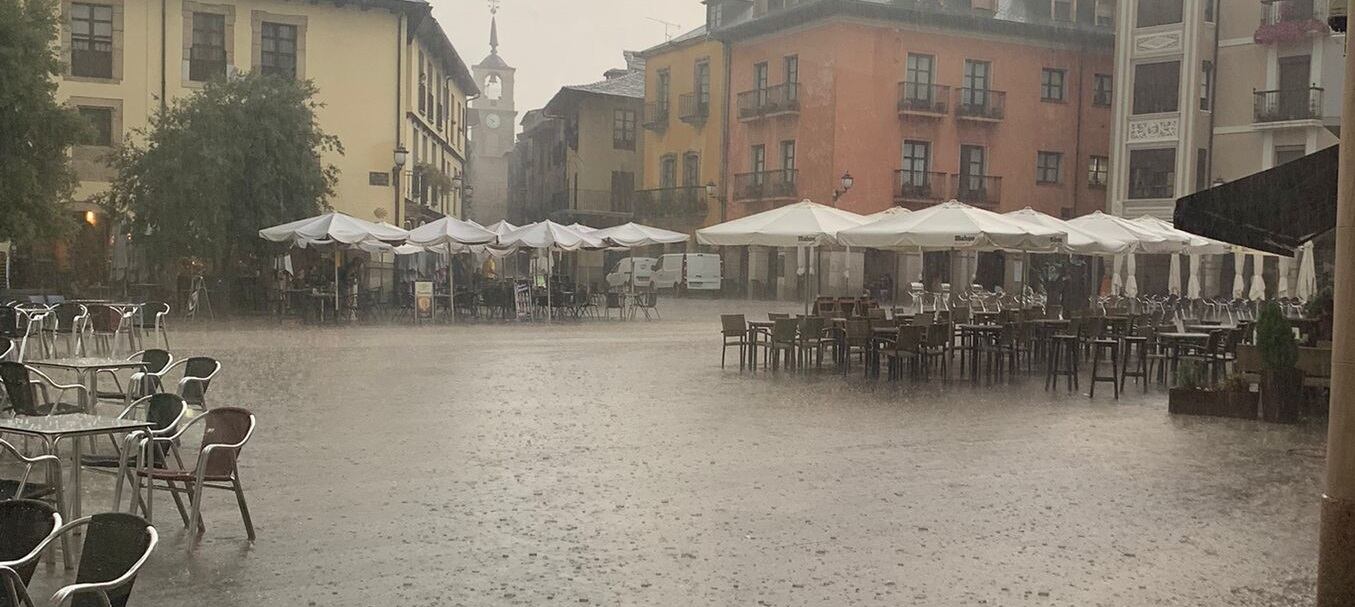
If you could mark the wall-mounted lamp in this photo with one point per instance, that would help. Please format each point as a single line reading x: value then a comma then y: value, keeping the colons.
x: 845, y: 185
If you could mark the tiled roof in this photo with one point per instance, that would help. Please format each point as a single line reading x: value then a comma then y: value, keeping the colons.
x: 696, y: 34
x: 630, y: 85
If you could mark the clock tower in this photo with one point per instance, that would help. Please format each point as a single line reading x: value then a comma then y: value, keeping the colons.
x: 494, y: 133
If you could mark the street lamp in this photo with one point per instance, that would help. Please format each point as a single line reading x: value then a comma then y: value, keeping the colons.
x: 846, y: 184
x: 401, y: 157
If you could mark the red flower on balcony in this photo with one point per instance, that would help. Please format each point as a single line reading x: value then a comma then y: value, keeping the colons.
x: 1290, y: 31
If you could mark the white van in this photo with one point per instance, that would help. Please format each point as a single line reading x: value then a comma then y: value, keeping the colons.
x: 643, y: 268
x: 698, y: 271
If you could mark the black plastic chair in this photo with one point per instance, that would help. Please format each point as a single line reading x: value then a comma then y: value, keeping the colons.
x: 25, y: 526
x: 22, y: 390
x: 116, y: 546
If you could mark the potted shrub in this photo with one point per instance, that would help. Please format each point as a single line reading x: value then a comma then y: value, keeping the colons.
x: 1192, y: 396
x: 1281, y: 380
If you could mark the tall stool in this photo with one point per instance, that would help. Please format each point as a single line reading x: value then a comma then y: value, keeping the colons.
x: 1063, y: 361
x: 1135, y: 360
x: 1100, y: 343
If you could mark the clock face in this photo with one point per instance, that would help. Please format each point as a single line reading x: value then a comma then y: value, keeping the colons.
x: 492, y: 121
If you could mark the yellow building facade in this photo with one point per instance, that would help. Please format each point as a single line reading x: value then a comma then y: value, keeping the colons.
x: 684, y: 133
x: 388, y: 78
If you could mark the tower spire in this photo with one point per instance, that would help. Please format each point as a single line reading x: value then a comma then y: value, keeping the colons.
x: 493, y: 27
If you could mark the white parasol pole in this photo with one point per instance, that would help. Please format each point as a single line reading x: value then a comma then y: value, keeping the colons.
x: 451, y: 285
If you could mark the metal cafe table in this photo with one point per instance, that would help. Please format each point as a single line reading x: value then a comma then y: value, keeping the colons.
x: 51, y: 429
x: 87, y: 373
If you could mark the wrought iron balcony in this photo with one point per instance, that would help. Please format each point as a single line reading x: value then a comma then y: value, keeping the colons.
x: 676, y: 202
x: 1288, y: 104
x: 980, y: 104
x: 978, y: 190
x: 923, y: 99
x: 919, y: 186
x: 692, y: 109
x: 656, y: 115
x: 771, y: 101
x: 780, y: 183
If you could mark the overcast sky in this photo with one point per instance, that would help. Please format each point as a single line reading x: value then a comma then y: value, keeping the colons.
x: 557, y: 42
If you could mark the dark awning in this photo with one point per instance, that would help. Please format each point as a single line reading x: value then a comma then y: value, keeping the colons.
x: 1275, y: 210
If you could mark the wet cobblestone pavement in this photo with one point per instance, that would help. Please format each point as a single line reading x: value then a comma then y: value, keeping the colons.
x: 611, y: 463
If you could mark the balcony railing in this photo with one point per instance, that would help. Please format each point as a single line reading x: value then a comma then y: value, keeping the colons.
x: 978, y: 190
x: 687, y: 201
x: 692, y: 109
x: 921, y: 186
x: 980, y: 104
x: 656, y: 116
x: 924, y: 99
x: 1289, y: 11
x: 780, y: 183
x: 770, y: 101
x: 421, y: 190
x: 1288, y: 104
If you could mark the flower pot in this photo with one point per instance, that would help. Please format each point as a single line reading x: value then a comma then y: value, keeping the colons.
x: 1281, y: 395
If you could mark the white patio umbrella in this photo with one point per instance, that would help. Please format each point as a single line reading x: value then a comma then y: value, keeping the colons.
x: 451, y: 236
x: 636, y: 235
x: 887, y: 213
x: 1140, y: 238
x: 805, y: 224
x: 551, y: 238
x: 1307, y: 286
x: 1174, y: 275
x: 1258, y: 281
x: 1192, y: 243
x: 1078, y: 241
x: 337, y: 230
x: 1193, y: 287
x: 949, y: 226
x: 1239, y: 283
x: 1131, y: 281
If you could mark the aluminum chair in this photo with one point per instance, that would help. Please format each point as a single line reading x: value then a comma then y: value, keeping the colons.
x: 23, y: 391
x: 116, y: 546
x: 22, y: 488
x: 164, y: 412
x: 25, y: 526
x: 198, y: 372
x: 226, y: 431
x: 141, y: 383
x: 107, y: 324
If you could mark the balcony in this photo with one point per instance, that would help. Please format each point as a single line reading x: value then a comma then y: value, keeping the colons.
x: 779, y: 100
x: 692, y: 109
x: 1284, y: 21
x: 983, y: 105
x: 918, y: 99
x: 679, y: 202
x: 656, y: 116
x: 978, y: 190
x: 765, y: 185
x: 919, y: 186
x: 1288, y: 104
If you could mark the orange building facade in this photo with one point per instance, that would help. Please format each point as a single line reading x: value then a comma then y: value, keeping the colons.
x: 997, y: 113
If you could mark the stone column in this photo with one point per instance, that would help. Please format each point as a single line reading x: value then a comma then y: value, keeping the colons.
x: 1336, y: 554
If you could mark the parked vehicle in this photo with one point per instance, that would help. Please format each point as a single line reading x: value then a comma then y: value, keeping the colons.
x: 643, y: 268
x: 694, y: 271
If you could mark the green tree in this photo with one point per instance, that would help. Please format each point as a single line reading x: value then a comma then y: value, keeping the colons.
x: 36, y: 180
x: 242, y: 154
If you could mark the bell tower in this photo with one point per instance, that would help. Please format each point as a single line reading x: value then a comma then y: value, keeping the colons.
x: 494, y: 132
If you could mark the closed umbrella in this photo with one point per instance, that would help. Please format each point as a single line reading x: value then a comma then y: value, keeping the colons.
x: 1193, y: 288
x: 1307, y: 286
x: 1116, y: 279
x: 1258, y: 281
x: 1239, y: 284
x: 1131, y: 281
x: 1282, y: 288
x: 1174, y: 275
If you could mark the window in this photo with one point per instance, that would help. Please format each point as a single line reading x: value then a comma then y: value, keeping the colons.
x: 1206, y: 85
x: 1047, y: 166
x: 1098, y: 171
x: 917, y: 158
x: 423, y: 86
x: 668, y: 172
x: 973, y: 164
x: 623, y: 188
x: 788, y: 160
x: 760, y: 82
x: 1105, y: 13
x: 1289, y: 153
x: 1152, y: 173
x: 1051, y: 84
x: 1158, y: 12
x: 91, y: 40
x: 1209, y: 8
x: 691, y: 170
x: 1156, y: 87
x: 277, y: 53
x: 1201, y: 169
x: 703, y: 88
x: 918, y: 79
x: 101, y: 126
x: 1062, y: 10
x: 975, y: 90
x: 759, y: 163
x: 792, y: 76
x: 207, y: 56
x: 623, y: 129
x: 1101, y: 90
x: 661, y: 91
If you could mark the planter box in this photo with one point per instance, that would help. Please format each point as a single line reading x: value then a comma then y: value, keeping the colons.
x: 1240, y: 405
x: 1281, y: 395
